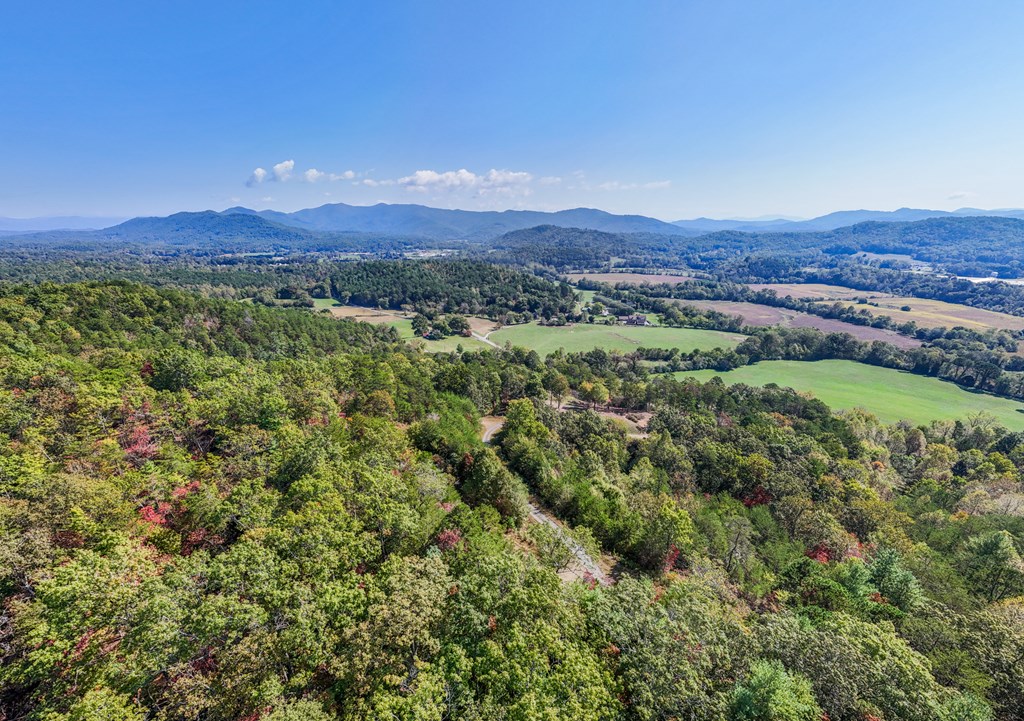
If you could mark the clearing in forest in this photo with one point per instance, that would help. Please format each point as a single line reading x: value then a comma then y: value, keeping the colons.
x: 891, y: 395
x: 816, y: 291
x: 938, y: 313
x: 403, y: 323
x: 759, y: 315
x: 584, y: 336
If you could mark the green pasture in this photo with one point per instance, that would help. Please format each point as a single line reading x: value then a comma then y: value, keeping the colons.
x: 584, y: 337
x: 889, y: 394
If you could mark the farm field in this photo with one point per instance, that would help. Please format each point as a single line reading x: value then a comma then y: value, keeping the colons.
x: 447, y: 345
x: 889, y: 394
x: 404, y: 326
x: 584, y: 337
x: 935, y: 313
x: 367, y: 315
x: 759, y: 315
x: 816, y: 291
x: 638, y: 278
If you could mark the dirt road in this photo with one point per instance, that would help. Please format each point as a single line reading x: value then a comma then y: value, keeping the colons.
x: 584, y: 565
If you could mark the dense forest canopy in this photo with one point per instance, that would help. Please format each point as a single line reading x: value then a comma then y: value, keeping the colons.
x: 443, y: 286
x: 218, y: 510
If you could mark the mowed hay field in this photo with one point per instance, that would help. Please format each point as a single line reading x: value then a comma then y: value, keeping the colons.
x: 636, y: 278
x: 584, y: 337
x: 366, y: 315
x: 936, y: 313
x: 759, y: 315
x: 889, y: 394
x: 816, y: 291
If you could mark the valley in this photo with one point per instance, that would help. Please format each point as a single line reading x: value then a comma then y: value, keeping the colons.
x: 523, y: 361
x: 496, y: 444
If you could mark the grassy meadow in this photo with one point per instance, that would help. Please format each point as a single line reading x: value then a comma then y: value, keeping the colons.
x: 889, y: 394
x: 584, y: 337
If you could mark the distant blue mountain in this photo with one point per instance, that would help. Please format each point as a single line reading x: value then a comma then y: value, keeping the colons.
x: 61, y: 222
x: 839, y: 219
x: 439, y: 223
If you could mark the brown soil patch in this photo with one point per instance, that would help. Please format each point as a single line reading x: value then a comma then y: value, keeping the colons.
x: 816, y: 291
x: 482, y: 326
x: 489, y: 426
x: 367, y: 315
x: 765, y: 315
x: 937, y: 313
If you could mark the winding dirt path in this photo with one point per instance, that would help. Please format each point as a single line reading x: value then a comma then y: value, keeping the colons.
x: 584, y: 566
x: 491, y: 425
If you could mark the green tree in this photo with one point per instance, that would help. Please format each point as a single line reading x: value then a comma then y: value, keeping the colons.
x: 770, y: 693
x: 894, y: 582
x: 557, y: 385
x: 488, y: 481
x: 993, y: 565
x: 596, y: 393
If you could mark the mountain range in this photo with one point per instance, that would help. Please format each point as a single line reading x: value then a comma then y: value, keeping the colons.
x: 442, y: 224
x: 57, y: 222
x: 839, y: 219
x: 419, y: 221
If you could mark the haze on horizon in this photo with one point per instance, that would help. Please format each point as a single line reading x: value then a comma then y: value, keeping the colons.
x: 676, y: 111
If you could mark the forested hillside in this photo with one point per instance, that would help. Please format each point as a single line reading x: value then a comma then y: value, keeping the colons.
x: 214, y: 510
x: 964, y: 246
x: 444, y: 286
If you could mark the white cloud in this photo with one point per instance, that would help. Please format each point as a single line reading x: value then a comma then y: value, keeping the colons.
x: 616, y: 185
x: 257, y: 177
x: 279, y: 173
x: 960, y: 195
x: 506, y: 182
x: 424, y: 180
x: 510, y: 187
x: 313, y: 175
x: 283, y: 170
x: 493, y: 182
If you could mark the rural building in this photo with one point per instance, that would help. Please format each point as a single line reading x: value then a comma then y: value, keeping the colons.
x: 635, y: 319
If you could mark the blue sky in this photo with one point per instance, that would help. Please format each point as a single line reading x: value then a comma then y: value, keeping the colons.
x: 671, y: 109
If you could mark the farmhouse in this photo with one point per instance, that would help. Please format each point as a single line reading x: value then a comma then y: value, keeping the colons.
x: 635, y: 319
